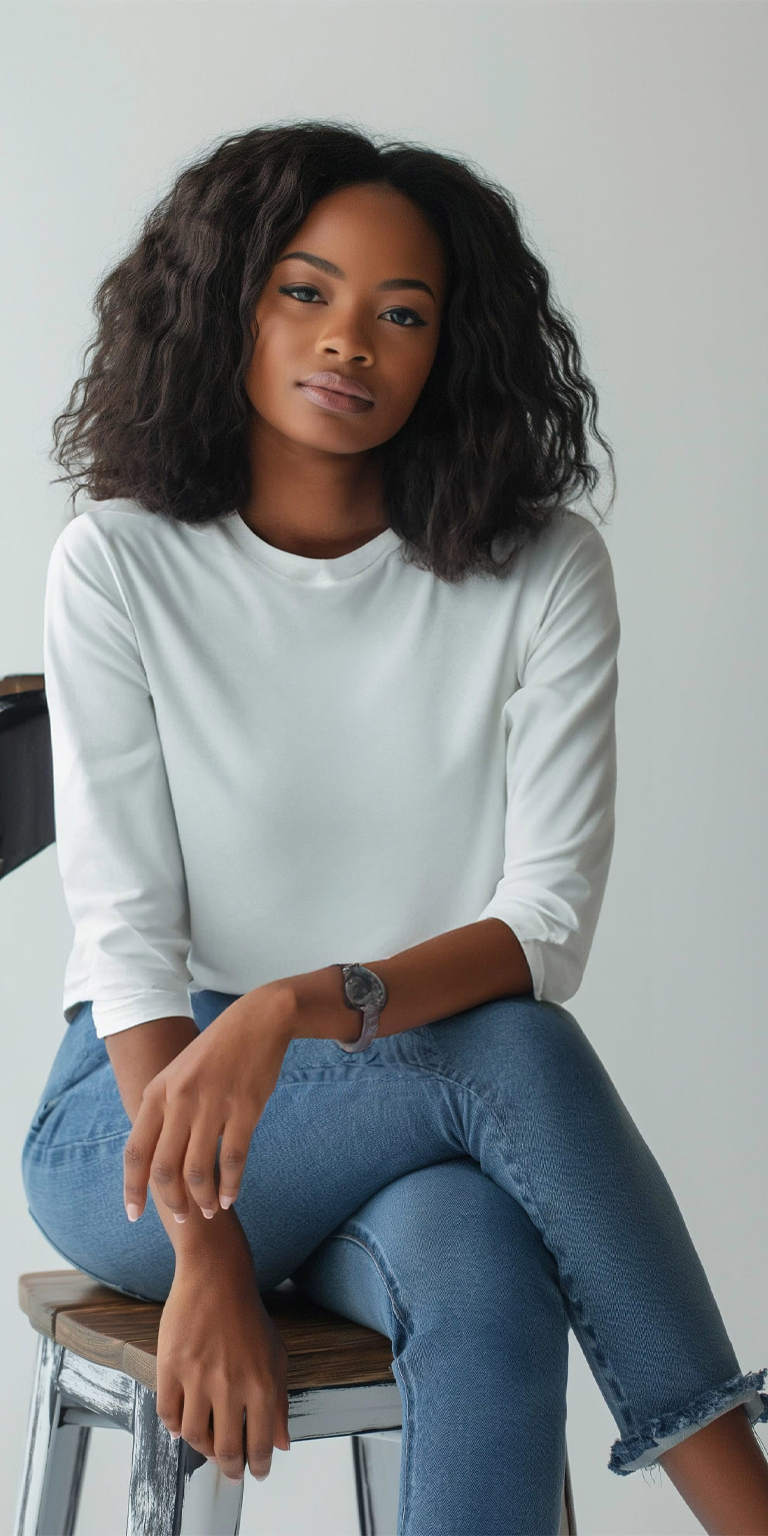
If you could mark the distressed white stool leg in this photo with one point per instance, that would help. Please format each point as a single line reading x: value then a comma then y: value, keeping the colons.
x: 376, y: 1459
x: 174, y: 1490
x: 54, y: 1457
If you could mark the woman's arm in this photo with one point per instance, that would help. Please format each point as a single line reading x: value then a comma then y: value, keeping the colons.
x: 137, y: 1055
x: 222, y: 1367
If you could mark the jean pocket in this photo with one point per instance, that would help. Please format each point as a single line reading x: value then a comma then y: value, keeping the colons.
x: 41, y: 1114
x: 80, y: 1052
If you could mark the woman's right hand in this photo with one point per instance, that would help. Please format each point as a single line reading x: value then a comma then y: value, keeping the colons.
x: 220, y: 1358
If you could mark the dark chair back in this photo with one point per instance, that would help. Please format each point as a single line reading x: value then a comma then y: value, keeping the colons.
x: 26, y: 771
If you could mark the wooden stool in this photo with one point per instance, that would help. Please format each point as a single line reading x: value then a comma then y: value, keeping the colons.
x: 96, y: 1367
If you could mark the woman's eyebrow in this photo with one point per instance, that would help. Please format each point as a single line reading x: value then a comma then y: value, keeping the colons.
x: 334, y: 271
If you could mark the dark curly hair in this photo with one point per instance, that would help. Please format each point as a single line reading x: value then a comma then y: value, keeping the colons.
x: 496, y: 440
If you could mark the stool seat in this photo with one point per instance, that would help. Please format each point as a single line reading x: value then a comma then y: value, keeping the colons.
x: 118, y: 1331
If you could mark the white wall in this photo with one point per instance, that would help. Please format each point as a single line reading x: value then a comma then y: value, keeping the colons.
x: 634, y: 137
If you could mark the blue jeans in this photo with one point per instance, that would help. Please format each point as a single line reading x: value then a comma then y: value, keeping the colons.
x: 470, y: 1188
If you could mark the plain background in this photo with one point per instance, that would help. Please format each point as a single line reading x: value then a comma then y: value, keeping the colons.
x: 633, y: 136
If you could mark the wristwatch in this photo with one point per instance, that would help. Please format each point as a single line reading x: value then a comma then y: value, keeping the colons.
x: 363, y: 991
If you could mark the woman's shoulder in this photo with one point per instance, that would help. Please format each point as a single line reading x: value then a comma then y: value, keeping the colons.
x: 566, y: 540
x: 565, y: 532
x: 121, y: 529
x: 108, y: 521
x: 98, y: 526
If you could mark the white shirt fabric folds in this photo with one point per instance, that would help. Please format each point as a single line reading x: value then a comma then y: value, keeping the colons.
x: 265, y: 763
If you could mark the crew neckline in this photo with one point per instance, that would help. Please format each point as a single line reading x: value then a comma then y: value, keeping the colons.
x: 307, y: 568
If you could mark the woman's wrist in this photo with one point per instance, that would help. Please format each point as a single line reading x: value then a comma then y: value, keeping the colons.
x: 201, y: 1238
x: 230, y: 1250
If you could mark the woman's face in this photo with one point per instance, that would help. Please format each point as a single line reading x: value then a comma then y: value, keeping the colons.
x: 374, y: 318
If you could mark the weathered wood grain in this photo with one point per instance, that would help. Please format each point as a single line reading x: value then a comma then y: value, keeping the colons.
x: 117, y: 1331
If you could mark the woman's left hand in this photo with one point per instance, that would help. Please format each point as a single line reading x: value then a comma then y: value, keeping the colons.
x: 217, y: 1086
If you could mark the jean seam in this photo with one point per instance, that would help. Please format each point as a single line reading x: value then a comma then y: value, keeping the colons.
x: 533, y: 1211
x: 389, y: 1286
x: 402, y: 1071
x: 37, y: 1150
x: 42, y: 1147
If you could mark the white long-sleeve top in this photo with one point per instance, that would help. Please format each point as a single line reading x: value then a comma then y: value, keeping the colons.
x: 265, y: 763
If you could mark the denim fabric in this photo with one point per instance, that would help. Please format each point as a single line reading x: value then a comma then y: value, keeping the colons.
x: 470, y: 1188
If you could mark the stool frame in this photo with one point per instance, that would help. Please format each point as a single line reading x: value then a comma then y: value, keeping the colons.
x: 175, y: 1490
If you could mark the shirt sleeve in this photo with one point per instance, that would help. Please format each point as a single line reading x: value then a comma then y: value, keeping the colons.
x: 561, y: 773
x: 116, y: 837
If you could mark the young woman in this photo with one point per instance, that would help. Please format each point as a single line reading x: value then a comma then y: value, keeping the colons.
x: 331, y: 666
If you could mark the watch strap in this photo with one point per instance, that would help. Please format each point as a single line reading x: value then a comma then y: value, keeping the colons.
x: 370, y: 1011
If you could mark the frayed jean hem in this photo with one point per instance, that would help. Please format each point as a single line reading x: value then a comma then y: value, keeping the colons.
x: 643, y: 1449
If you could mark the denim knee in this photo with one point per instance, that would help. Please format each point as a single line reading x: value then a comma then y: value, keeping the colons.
x: 456, y: 1251
x: 535, y: 1050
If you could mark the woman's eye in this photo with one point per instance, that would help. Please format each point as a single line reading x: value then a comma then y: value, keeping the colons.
x: 298, y: 288
x: 416, y: 318
x: 307, y: 288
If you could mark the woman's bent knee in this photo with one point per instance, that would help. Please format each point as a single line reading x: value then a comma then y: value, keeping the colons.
x: 442, y: 1248
x: 514, y: 1042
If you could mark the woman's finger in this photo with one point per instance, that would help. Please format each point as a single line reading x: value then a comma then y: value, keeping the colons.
x: 196, y: 1423
x: 282, y: 1432
x: 200, y: 1164
x: 235, y: 1141
x: 168, y: 1162
x: 229, y: 1432
x: 170, y: 1402
x: 137, y: 1154
x: 259, y: 1438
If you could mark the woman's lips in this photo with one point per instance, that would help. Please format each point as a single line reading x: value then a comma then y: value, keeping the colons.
x: 335, y: 401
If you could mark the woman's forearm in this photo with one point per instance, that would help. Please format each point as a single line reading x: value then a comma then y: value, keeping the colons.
x: 137, y: 1055
x: 431, y: 981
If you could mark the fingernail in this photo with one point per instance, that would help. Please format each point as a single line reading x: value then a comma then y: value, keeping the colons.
x: 178, y: 1218
x: 133, y: 1212
x: 209, y: 1214
x: 176, y: 1436
x: 225, y: 1201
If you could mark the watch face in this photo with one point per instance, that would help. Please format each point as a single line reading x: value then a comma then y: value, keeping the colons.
x: 363, y: 988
